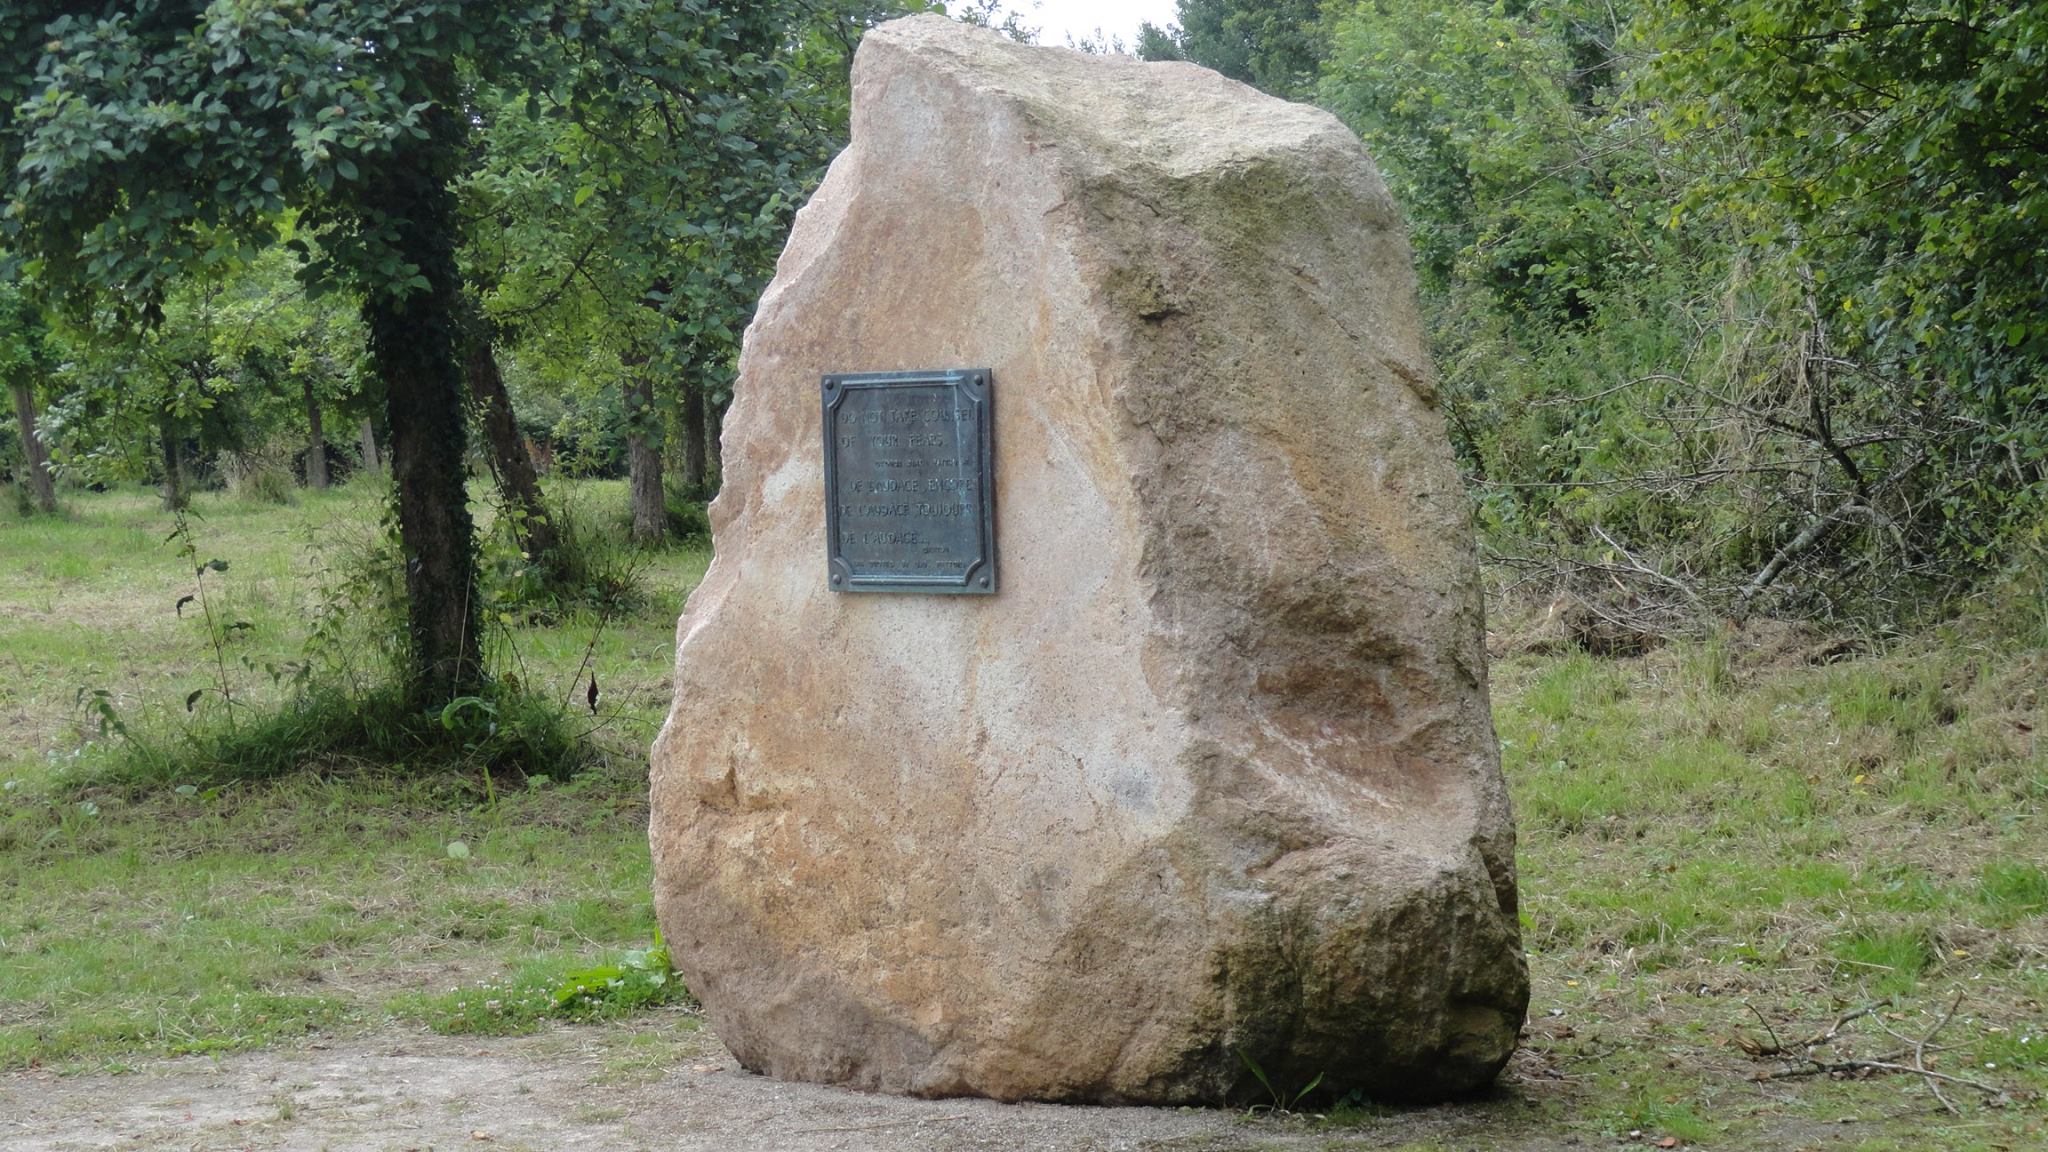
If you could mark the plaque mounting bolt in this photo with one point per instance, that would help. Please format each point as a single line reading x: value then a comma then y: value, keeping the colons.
x: 984, y: 581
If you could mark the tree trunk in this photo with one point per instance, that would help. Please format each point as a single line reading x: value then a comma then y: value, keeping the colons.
x: 367, y: 443
x: 694, y: 432
x: 316, y: 441
x: 716, y: 440
x: 174, y: 468
x: 510, y: 464
x: 34, y: 455
x: 414, y: 343
x: 643, y: 456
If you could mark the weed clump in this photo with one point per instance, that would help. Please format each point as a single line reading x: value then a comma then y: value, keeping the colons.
x: 331, y: 729
x: 633, y: 981
x: 689, y: 518
x: 590, y: 569
x: 260, y: 476
x: 343, y: 706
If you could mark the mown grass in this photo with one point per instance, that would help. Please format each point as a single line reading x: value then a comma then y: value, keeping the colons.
x: 235, y: 917
x: 91, y: 603
x: 1728, y: 841
x: 152, y: 914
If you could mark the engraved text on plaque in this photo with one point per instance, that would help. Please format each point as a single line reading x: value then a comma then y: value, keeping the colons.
x: 909, y: 481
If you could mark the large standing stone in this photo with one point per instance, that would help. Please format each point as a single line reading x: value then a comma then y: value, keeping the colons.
x: 1213, y: 776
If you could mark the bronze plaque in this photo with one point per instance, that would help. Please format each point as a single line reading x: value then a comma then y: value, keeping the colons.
x: 910, y: 495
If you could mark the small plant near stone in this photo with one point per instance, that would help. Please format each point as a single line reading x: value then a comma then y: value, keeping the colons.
x: 634, y: 981
x: 643, y: 978
x: 1353, y: 1110
x: 1279, y: 1100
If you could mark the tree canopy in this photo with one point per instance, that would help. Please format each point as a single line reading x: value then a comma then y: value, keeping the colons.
x: 1737, y: 301
x: 552, y: 175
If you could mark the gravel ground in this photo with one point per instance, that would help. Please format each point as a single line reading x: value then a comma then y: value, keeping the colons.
x: 560, y: 1090
x: 650, y: 1085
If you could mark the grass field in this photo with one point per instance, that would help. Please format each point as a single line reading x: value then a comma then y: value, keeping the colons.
x: 195, y: 919
x: 1723, y: 844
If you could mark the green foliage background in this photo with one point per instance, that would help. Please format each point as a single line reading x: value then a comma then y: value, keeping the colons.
x: 1738, y: 304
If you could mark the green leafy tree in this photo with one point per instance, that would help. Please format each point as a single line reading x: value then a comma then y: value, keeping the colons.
x: 138, y: 402
x: 1470, y: 115
x: 27, y: 358
x: 993, y: 14
x: 1733, y: 302
x: 1276, y: 46
x: 242, y: 366
x: 638, y: 205
x: 300, y: 356
x: 1897, y: 150
x: 147, y: 139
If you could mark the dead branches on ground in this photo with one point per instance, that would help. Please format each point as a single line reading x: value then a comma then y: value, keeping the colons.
x: 1809, y: 1057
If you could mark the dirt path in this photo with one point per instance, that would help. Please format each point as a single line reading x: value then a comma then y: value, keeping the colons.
x: 583, y: 1088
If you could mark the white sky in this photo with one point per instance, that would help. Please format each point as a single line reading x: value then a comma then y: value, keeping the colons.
x: 1055, y: 19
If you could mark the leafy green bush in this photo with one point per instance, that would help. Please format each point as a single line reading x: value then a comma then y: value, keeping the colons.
x: 1736, y: 304
x: 689, y: 520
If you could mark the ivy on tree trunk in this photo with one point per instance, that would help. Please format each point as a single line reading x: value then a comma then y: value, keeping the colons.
x: 414, y: 342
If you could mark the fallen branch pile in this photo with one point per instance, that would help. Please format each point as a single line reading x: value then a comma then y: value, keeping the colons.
x: 1813, y: 1056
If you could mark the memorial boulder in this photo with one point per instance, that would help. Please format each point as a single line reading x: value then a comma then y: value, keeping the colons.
x: 1203, y: 776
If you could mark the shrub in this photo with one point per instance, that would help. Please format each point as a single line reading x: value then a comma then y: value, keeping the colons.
x: 262, y: 476
x: 591, y: 568
x: 689, y: 519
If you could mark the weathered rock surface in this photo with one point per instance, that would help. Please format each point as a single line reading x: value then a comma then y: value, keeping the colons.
x: 1214, y: 775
